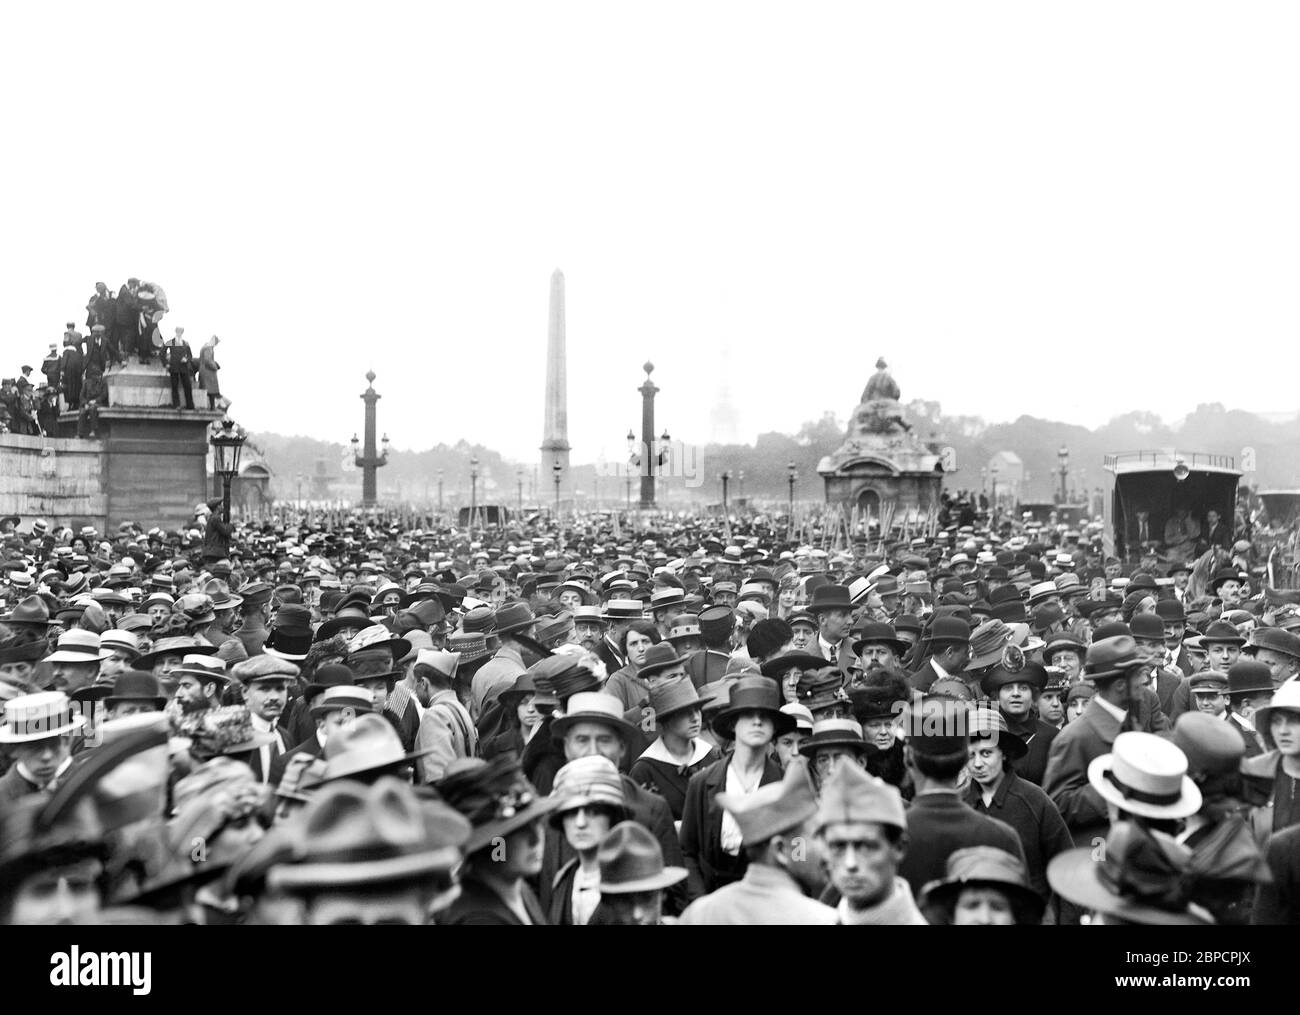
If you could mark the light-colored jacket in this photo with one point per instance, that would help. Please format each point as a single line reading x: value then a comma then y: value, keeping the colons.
x: 447, y: 732
x: 764, y: 896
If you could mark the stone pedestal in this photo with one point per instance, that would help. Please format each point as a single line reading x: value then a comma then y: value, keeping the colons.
x: 882, y: 464
x: 138, y: 386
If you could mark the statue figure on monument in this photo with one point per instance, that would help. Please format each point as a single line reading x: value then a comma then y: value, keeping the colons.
x: 880, y: 412
x: 881, y: 385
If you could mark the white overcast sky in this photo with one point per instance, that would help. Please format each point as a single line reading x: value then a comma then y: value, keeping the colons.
x: 1066, y: 210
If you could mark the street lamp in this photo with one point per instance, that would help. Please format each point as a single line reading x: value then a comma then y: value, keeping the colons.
x: 473, y: 491
x: 993, y: 475
x: 726, y: 478
x: 519, y: 483
x: 1063, y: 456
x: 556, y: 469
x: 227, y: 442
x: 792, y: 476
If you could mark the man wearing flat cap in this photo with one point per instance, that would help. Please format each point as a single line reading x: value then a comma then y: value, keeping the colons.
x: 777, y: 834
x: 266, y: 681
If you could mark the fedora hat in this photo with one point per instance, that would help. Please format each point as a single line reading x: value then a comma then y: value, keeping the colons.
x: 1111, y: 657
x: 1285, y: 699
x: 658, y: 658
x: 31, y: 611
x: 986, y: 867
x: 875, y: 633
x: 1145, y: 775
x: 77, y: 646
x: 494, y: 795
x: 632, y: 861
x: 327, y: 676
x: 592, y: 781
x: 594, y: 706
x: 135, y: 685
x: 1276, y: 640
x: 1222, y: 632
x: 949, y: 629
x: 830, y: 597
x: 674, y: 696
x: 1141, y: 877
x: 835, y: 733
x: 989, y: 722
x: 514, y: 617
x: 351, y: 834
x: 40, y: 716
x: 342, y: 697
x: 368, y: 744
x: 753, y: 694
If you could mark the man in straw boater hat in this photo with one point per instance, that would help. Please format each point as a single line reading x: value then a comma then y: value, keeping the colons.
x: 863, y: 831
x: 37, y: 733
x: 777, y: 830
x: 371, y: 855
x: 504, y: 849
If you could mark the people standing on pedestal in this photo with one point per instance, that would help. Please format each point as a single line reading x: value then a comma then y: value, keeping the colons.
x: 153, y: 307
x: 73, y: 367
x: 126, y: 321
x: 208, y: 367
x: 47, y: 410
x: 180, y: 368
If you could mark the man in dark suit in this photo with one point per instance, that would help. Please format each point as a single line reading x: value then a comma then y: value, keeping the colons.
x: 707, y: 665
x: 266, y: 682
x: 939, y: 822
x: 1114, y: 666
x: 335, y: 707
x: 126, y: 322
x: 1215, y: 533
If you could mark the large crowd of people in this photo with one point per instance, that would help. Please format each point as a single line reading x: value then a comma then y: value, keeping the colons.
x: 700, y: 722
x: 118, y: 330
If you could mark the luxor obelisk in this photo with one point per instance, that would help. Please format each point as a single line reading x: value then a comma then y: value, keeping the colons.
x: 555, y: 429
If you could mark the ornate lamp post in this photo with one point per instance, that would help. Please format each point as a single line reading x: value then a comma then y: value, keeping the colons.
x: 519, y: 484
x: 557, y: 470
x: 227, y: 442
x: 1063, y: 456
x: 726, y: 478
x: 371, y: 459
x: 439, y: 491
x: 792, y: 476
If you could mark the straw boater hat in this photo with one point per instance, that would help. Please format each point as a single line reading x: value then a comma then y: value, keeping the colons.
x: 1286, y: 699
x: 41, y: 716
x: 1145, y: 775
x: 78, y: 646
x: 355, y: 835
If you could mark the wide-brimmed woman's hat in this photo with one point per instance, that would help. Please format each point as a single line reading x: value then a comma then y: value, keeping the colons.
x: 988, y: 643
x: 377, y: 636
x: 674, y: 697
x: 40, y: 716
x: 658, y: 658
x: 779, y: 666
x: 1285, y: 699
x: 291, y: 634
x: 592, y: 781
x: 350, y: 615
x: 1141, y: 877
x: 1145, y: 775
x: 845, y: 733
x: 495, y: 795
x: 985, y: 867
x: 631, y: 861
x: 351, y: 834
x: 988, y: 722
x: 753, y: 694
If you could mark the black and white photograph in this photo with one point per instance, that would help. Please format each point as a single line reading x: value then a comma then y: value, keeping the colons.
x: 695, y: 464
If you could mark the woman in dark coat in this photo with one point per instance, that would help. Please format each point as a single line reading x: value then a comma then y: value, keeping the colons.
x: 520, y: 720
x: 666, y: 766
